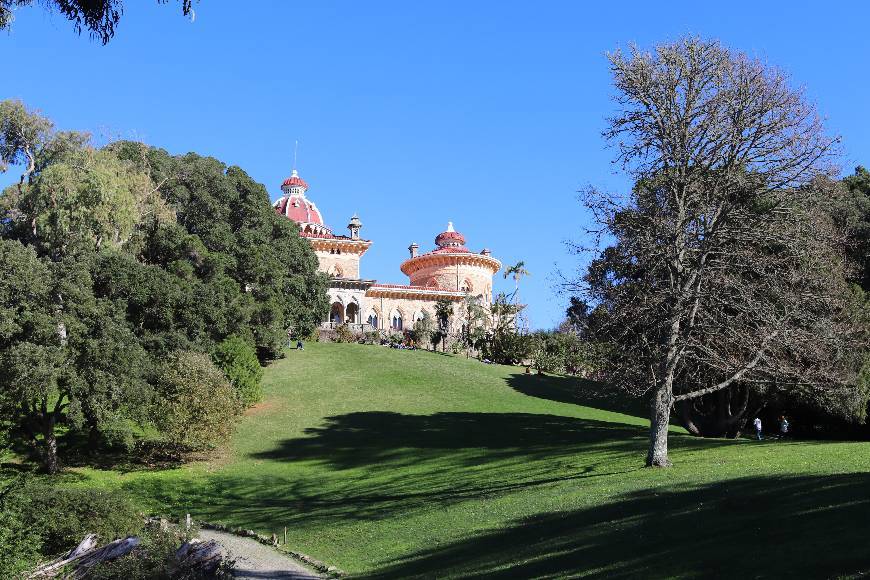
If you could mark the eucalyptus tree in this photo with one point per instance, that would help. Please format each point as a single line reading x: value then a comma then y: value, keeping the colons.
x: 723, y: 271
x: 98, y: 17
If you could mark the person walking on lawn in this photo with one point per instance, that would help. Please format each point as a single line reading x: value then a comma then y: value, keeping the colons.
x: 757, y: 424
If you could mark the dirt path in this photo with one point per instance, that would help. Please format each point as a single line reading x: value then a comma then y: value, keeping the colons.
x: 254, y: 560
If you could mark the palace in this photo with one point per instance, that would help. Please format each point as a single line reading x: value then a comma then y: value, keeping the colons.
x: 450, y: 271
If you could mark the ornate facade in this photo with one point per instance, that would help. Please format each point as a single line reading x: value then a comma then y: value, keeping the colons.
x: 450, y: 271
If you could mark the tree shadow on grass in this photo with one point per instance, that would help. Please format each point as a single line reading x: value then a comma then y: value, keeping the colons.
x: 802, y: 527
x: 374, y: 438
x: 578, y: 391
x: 402, y: 463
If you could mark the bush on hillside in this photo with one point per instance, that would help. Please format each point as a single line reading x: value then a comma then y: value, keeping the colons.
x: 198, y: 407
x: 155, y: 557
x: 344, y: 334
x: 39, y: 521
x: 238, y: 361
x: 505, y: 346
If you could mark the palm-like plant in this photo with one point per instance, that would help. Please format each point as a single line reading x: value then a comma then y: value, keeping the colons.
x: 518, y: 270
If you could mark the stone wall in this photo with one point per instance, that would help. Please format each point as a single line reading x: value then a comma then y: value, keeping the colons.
x: 409, y: 309
x: 451, y: 277
x: 344, y: 265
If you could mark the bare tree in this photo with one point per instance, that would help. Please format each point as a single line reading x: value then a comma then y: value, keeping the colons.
x: 723, y: 271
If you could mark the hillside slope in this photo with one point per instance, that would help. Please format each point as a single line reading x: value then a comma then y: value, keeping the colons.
x: 398, y: 464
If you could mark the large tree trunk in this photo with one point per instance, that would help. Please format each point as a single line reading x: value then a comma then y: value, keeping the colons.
x: 685, y: 409
x: 719, y: 414
x: 49, y: 460
x: 660, y: 415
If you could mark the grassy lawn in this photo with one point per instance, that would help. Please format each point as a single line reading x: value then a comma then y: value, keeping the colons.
x: 390, y: 463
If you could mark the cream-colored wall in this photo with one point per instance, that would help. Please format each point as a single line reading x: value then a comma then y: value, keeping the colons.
x: 345, y: 296
x: 348, y: 263
x: 408, y: 308
x: 447, y: 277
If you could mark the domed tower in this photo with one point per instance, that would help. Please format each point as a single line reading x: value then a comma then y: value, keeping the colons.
x: 339, y: 256
x: 295, y: 206
x: 452, y: 266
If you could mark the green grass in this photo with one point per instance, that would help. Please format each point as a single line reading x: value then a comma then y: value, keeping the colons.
x: 400, y: 464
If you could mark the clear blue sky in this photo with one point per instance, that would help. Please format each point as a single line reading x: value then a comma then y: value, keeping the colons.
x: 415, y: 113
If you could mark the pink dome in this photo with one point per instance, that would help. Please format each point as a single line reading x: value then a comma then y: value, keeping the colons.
x: 450, y: 239
x: 298, y: 209
x: 294, y: 180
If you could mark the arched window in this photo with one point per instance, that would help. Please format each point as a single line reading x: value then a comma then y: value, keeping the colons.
x: 335, y: 271
x: 373, y: 320
x: 352, y: 313
x: 396, y: 320
x: 466, y: 286
x: 336, y: 313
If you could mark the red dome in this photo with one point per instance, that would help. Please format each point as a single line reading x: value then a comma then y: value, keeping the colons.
x: 294, y: 180
x: 451, y: 250
x: 449, y: 238
x: 298, y: 209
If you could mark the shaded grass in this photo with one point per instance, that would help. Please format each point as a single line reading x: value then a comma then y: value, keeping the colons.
x: 401, y: 464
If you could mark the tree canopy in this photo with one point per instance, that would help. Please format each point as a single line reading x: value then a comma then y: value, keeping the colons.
x: 118, y: 258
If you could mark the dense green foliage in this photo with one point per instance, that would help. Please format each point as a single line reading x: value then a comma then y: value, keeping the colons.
x: 853, y: 214
x: 40, y: 521
x: 504, y: 343
x: 564, y: 352
x: 197, y: 406
x: 424, y: 331
x: 115, y: 260
x: 399, y: 463
x: 238, y: 361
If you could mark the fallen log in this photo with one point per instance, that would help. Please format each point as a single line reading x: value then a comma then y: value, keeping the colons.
x: 198, y: 556
x: 85, y: 556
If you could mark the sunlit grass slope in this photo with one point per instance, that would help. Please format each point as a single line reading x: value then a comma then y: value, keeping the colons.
x: 402, y: 464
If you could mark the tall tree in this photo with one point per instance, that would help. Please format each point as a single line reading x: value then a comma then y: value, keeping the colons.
x: 723, y: 269
x: 226, y: 233
x: 518, y: 271
x: 853, y: 215
x: 115, y: 259
x: 80, y: 361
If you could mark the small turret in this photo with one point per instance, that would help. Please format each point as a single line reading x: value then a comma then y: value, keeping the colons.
x: 413, y: 248
x: 354, y: 226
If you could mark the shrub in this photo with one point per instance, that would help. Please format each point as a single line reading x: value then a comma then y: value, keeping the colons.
x: 505, y: 346
x: 39, y: 521
x: 238, y: 361
x: 343, y: 333
x: 197, y: 407
x: 155, y: 558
